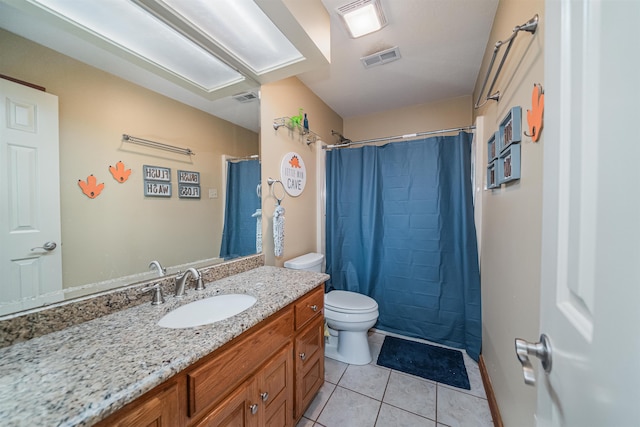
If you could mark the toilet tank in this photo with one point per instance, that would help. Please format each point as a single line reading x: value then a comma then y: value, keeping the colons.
x: 308, y: 262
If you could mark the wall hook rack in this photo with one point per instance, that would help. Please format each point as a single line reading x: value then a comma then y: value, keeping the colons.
x: 308, y: 136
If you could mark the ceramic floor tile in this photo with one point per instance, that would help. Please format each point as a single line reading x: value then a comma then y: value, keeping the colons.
x: 305, y: 422
x: 347, y: 408
x: 390, y: 416
x: 369, y: 380
x: 458, y: 409
x: 333, y: 370
x: 318, y: 403
x: 412, y: 394
x: 475, y: 379
x: 375, y: 345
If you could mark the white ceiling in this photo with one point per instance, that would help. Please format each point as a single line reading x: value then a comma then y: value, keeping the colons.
x: 441, y: 43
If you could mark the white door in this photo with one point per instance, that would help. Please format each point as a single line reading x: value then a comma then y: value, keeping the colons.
x: 590, y: 300
x: 30, y: 256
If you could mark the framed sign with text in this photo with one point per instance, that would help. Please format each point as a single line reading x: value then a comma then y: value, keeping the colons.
x: 188, y: 184
x: 293, y: 174
x: 188, y: 177
x: 157, y: 181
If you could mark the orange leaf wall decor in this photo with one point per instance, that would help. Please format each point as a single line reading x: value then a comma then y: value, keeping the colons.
x: 119, y: 173
x: 534, y: 116
x: 90, y: 188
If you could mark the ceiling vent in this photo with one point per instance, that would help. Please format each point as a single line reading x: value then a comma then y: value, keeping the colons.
x: 245, y: 96
x: 382, y: 57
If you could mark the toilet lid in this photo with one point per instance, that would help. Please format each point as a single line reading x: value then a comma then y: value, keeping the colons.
x: 351, y: 302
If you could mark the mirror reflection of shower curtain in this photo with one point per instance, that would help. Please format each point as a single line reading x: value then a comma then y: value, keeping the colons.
x: 241, y: 206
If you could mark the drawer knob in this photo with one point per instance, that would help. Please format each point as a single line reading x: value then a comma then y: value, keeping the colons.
x: 314, y: 307
x: 303, y: 356
x: 253, y: 408
x: 264, y: 396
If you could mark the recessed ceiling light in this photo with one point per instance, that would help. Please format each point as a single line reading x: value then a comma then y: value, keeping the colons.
x: 362, y: 17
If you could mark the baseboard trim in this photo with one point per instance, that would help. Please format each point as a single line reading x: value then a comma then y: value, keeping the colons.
x: 491, y: 397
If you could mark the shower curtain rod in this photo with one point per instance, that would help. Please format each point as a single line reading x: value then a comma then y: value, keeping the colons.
x: 241, y: 159
x: 400, y: 137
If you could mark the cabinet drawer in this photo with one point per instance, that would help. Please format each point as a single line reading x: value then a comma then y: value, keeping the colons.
x: 309, y: 306
x: 160, y: 409
x: 210, y: 382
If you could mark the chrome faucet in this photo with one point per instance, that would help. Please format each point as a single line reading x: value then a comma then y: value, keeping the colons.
x: 181, y: 280
x: 156, y: 264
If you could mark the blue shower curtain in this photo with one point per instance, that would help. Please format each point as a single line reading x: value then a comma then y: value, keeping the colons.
x: 400, y: 229
x: 239, y: 233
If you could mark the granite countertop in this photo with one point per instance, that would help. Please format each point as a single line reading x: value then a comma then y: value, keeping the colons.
x: 80, y: 375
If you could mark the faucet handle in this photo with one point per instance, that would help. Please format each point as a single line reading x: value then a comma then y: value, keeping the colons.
x: 157, y: 298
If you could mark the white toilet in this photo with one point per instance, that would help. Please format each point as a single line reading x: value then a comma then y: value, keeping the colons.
x: 349, y: 315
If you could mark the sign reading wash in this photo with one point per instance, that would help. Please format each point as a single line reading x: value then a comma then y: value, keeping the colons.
x: 157, y: 181
x: 293, y: 174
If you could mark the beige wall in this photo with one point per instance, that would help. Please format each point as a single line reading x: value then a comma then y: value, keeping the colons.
x: 303, y: 216
x: 511, y: 226
x: 450, y: 113
x: 120, y: 231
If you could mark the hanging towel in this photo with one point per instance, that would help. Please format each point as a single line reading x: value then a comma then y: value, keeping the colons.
x: 278, y: 230
x: 258, y: 216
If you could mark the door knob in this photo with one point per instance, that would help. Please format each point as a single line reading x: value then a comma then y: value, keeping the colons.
x: 541, y: 350
x: 48, y: 246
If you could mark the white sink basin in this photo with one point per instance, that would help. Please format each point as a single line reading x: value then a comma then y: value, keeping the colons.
x: 206, y: 311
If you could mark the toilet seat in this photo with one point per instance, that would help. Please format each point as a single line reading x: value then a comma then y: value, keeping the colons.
x: 349, y: 302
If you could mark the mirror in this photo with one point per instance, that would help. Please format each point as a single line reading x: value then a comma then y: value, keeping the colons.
x: 109, y: 241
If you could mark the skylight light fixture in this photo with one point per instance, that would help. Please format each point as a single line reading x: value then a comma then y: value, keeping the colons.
x: 362, y: 17
x: 240, y: 27
x: 125, y: 25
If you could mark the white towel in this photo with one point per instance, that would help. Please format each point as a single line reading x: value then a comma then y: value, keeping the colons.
x: 258, y: 216
x: 278, y: 230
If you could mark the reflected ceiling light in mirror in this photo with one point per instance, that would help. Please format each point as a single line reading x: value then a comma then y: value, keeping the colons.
x: 362, y: 17
x: 242, y: 29
x: 127, y: 26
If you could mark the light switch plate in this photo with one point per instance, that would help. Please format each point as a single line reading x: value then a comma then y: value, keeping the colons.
x: 213, y: 193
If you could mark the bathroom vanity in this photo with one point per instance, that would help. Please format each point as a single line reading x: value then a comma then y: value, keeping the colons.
x: 261, y: 367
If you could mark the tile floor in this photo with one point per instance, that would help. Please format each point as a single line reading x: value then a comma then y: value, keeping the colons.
x: 375, y: 396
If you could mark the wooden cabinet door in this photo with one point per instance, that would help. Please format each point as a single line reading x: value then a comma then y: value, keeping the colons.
x: 309, y: 364
x: 264, y: 400
x: 237, y: 410
x: 160, y: 410
x: 275, y: 387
